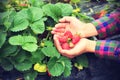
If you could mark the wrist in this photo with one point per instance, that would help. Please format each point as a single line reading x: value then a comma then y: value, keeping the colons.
x: 90, y: 46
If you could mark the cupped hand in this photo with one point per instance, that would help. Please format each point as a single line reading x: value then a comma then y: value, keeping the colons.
x: 78, y: 49
x: 69, y: 23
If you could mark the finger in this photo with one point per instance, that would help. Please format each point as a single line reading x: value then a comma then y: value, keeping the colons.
x: 66, y: 19
x: 57, y: 43
x: 61, y: 30
x: 61, y: 25
x: 58, y: 31
x: 67, y: 53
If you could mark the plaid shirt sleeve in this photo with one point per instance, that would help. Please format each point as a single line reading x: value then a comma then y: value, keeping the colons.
x: 108, y: 25
x: 107, y: 48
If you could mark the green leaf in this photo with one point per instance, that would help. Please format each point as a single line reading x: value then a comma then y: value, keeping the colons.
x: 28, y: 43
x: 31, y: 47
x: 36, y: 3
x: 20, y: 57
x: 6, y: 64
x: 7, y: 50
x: 68, y: 65
x: 82, y: 60
x: 30, y: 75
x: 16, y: 40
x: 23, y: 66
x: 21, y: 40
x: 7, y: 17
x: 37, y: 56
x: 53, y: 11
x: 67, y: 72
x: 29, y: 39
x: 20, y: 24
x: 66, y: 9
x: 22, y: 13
x: 48, y: 43
x: 34, y: 14
x: 50, y: 51
x: 54, y: 67
x: 38, y: 27
x: 2, y: 38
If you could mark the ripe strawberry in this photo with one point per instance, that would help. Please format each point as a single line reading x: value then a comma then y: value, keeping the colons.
x: 63, y: 39
x: 75, y: 39
x: 48, y: 73
x: 69, y: 34
x: 65, y: 46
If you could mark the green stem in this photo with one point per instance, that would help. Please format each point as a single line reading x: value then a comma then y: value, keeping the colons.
x: 48, y: 36
x: 76, y: 6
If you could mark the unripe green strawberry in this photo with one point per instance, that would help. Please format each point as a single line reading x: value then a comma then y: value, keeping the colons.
x: 65, y: 46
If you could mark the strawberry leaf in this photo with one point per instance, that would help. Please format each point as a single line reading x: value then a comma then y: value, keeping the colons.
x: 55, y: 67
x: 34, y: 14
x: 23, y: 66
x: 16, y: 40
x: 66, y: 8
x: 82, y: 60
x: 20, y: 21
x: 68, y: 65
x: 48, y: 43
x: 6, y: 64
x: 31, y: 47
x: 2, y: 38
x: 37, y: 56
x: 30, y: 75
x: 38, y: 27
x: 7, y: 50
x: 50, y: 51
x: 53, y: 11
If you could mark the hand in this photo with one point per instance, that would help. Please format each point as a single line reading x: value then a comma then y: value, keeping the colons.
x: 84, y: 45
x: 69, y: 23
x: 75, y: 26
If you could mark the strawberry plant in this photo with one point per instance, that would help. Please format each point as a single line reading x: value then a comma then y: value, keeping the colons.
x: 26, y: 43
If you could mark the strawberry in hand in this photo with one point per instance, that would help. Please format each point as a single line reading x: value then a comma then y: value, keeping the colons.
x: 68, y: 34
x: 63, y: 39
x: 68, y: 40
x: 75, y: 38
x: 65, y: 46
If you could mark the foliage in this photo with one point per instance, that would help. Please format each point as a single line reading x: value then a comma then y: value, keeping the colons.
x: 25, y: 37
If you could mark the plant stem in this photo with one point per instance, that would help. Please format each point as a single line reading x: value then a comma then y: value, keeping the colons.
x: 48, y: 36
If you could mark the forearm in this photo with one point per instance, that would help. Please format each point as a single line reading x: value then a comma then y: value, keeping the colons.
x: 108, y: 48
x: 103, y: 27
x: 104, y: 48
x: 108, y: 25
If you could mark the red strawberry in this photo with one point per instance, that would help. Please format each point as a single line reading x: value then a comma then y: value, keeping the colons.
x: 69, y: 34
x: 48, y: 73
x: 63, y: 39
x: 75, y: 39
x: 65, y: 46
